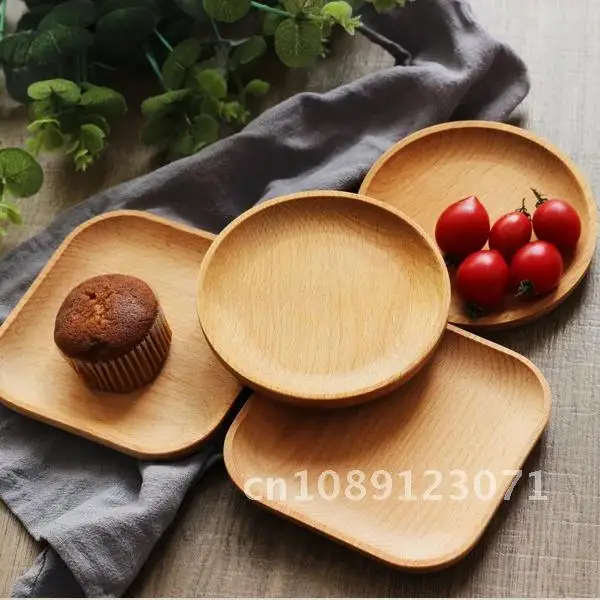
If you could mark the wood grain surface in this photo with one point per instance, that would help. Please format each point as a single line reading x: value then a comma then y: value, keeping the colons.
x: 411, y: 479
x: 222, y: 545
x: 323, y: 299
x: 193, y: 388
x: 500, y: 164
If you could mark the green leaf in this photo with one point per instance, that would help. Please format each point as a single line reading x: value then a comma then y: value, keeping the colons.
x: 249, y: 50
x: 108, y: 6
x: 385, y: 6
x: 83, y: 159
x: 205, y: 129
x: 52, y: 44
x: 159, y: 131
x: 234, y: 112
x: 270, y: 24
x: 103, y: 101
x: 34, y: 144
x: 52, y: 138
x: 124, y: 29
x: 39, y: 109
x: 72, y: 146
x: 12, y: 212
x: 292, y: 6
x: 100, y: 122
x: 20, y: 172
x: 33, y: 3
x: 14, y: 49
x: 39, y: 124
x: 340, y: 12
x: 227, y: 11
x: 72, y: 13
x: 257, y: 88
x: 176, y: 29
x: 307, y: 7
x: 211, y: 83
x: 19, y: 78
x: 69, y: 121
x: 92, y: 138
x: 298, y: 43
x: 31, y: 19
x: 210, y: 106
x: 313, y: 7
x: 194, y: 8
x: 183, y: 145
x: 176, y: 67
x: 164, y: 102
x: 66, y: 90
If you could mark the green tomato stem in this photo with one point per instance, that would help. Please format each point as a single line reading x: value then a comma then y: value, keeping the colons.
x: 163, y: 40
x: 152, y: 61
x: 271, y: 9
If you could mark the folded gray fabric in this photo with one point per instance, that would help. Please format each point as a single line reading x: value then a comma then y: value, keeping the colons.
x: 101, y: 512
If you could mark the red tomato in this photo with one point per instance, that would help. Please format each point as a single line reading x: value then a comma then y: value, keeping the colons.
x: 462, y: 228
x: 557, y: 222
x: 536, y: 269
x: 510, y: 232
x: 482, y: 279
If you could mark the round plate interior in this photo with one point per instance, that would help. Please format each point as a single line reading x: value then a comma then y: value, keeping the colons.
x: 323, y: 298
x: 499, y: 164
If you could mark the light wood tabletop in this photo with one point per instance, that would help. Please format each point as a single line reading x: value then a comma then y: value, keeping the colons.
x: 221, y: 545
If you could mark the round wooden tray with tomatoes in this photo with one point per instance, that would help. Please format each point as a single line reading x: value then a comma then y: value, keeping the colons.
x: 514, y: 217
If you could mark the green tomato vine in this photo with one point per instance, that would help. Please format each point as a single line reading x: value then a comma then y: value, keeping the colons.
x: 206, y: 55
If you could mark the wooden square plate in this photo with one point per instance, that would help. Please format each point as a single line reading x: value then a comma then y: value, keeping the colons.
x: 193, y: 392
x: 412, y: 479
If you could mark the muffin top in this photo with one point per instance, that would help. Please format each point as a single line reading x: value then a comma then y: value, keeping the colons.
x: 104, y: 317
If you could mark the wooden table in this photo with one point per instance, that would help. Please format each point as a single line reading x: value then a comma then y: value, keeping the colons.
x: 220, y: 545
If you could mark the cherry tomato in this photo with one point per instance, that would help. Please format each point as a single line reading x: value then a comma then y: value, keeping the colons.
x: 510, y: 232
x: 557, y: 222
x: 536, y: 269
x: 482, y: 279
x: 463, y: 228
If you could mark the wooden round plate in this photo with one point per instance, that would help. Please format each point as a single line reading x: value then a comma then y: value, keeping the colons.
x: 499, y: 164
x: 323, y: 298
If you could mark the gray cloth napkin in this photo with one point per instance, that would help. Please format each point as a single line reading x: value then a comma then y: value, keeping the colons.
x: 100, y: 512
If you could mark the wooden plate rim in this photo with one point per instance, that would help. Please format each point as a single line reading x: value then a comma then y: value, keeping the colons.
x: 280, y: 507
x: 551, y: 301
x: 130, y: 449
x: 334, y: 398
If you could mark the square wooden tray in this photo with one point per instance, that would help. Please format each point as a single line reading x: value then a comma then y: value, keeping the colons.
x: 194, y: 391
x: 458, y: 430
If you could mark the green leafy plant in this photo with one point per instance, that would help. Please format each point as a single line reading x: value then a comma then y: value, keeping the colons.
x: 207, y: 56
x: 73, y: 118
x: 20, y: 174
x: 20, y: 177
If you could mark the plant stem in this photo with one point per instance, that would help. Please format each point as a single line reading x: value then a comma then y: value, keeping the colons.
x: 163, y: 40
x: 104, y: 66
x: 216, y: 30
x: 156, y: 70
x: 84, y: 67
x: 270, y: 9
x: 3, y: 4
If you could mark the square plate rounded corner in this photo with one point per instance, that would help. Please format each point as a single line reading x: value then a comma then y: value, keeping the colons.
x: 193, y: 392
x: 469, y: 417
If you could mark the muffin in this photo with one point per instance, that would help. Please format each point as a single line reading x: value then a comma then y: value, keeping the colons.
x: 112, y: 331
